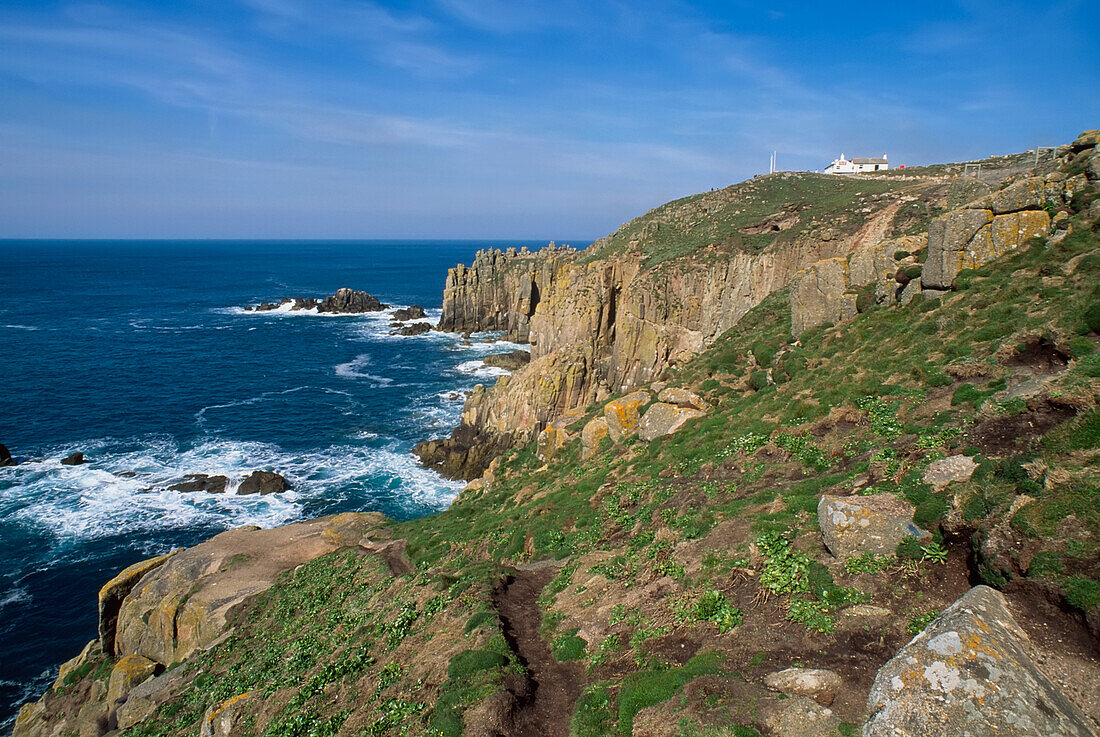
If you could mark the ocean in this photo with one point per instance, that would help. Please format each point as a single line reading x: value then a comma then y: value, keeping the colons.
x: 141, y: 356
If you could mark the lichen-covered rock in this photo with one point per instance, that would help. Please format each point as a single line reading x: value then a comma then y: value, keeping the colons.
x: 222, y: 719
x: 145, y: 697
x: 128, y: 672
x: 819, y: 684
x: 623, y: 414
x: 865, y: 524
x: 595, y: 431
x: 1011, y: 231
x: 552, y: 439
x: 184, y: 604
x: 948, y: 238
x: 819, y: 296
x: 1025, y: 194
x: 115, y: 590
x: 665, y: 419
x: 948, y: 470
x: 683, y: 398
x: 1086, y: 140
x: 967, y: 674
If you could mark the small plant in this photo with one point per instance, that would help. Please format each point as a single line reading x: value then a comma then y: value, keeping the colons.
x: 919, y: 622
x: 868, y: 563
x: 934, y: 553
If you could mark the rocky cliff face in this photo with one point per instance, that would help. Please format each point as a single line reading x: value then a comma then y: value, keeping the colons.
x: 616, y: 316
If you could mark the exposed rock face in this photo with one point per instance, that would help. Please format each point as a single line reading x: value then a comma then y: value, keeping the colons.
x: 513, y: 361
x: 73, y: 459
x: 417, y: 328
x: 113, y: 593
x: 345, y: 301
x: 683, y: 398
x: 552, y: 438
x: 222, y: 720
x: 500, y: 290
x: 969, y: 673
x: 127, y: 673
x: 412, y: 312
x: 865, y: 524
x: 665, y: 419
x: 820, y: 685
x: 623, y: 415
x: 201, y: 482
x: 263, y: 482
x: 595, y: 431
x: 947, y: 470
x: 183, y: 605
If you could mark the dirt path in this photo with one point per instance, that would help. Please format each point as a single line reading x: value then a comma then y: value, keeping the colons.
x: 555, y: 686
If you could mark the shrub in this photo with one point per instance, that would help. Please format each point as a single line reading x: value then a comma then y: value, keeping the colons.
x: 759, y: 380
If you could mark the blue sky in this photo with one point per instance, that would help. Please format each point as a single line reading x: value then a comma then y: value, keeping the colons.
x: 497, y: 118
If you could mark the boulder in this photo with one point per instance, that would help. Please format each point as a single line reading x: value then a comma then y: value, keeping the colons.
x: 127, y: 673
x: 1086, y: 140
x: 552, y: 439
x: 1007, y: 233
x: 145, y: 697
x: 820, y: 685
x: 201, y: 482
x: 91, y: 720
x: 948, y: 236
x: 664, y: 419
x: 512, y: 361
x: 969, y: 673
x: 801, y: 717
x: 185, y: 603
x: 73, y: 459
x: 115, y: 591
x: 945, y: 471
x: 412, y: 312
x: 683, y: 398
x: 1026, y: 194
x: 417, y: 328
x: 223, y: 719
x: 263, y: 482
x: 5, y: 457
x: 623, y: 414
x: 910, y: 292
x: 591, y: 435
x: 855, y: 525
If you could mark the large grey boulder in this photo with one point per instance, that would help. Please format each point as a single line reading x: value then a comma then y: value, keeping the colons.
x: 969, y: 674
x: 854, y: 525
x: 663, y: 419
x: 945, y: 471
x: 948, y: 236
x: 820, y: 685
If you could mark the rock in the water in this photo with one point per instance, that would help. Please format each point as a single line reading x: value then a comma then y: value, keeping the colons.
x: 683, y: 398
x: 115, y: 590
x: 801, y: 717
x: 865, y: 524
x: 263, y: 482
x: 223, y: 720
x: 127, y: 673
x: 5, y: 457
x: 591, y: 435
x: 820, y: 685
x: 73, y: 459
x: 412, y: 312
x: 944, y: 471
x: 969, y: 673
x: 350, y: 301
x: 665, y: 419
x: 417, y: 328
x: 622, y: 414
x: 201, y: 482
x: 513, y: 361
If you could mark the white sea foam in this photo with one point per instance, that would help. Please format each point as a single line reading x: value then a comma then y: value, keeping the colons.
x: 200, y: 416
x: 353, y: 369
x: 14, y: 595
x: 478, y: 368
x: 19, y: 327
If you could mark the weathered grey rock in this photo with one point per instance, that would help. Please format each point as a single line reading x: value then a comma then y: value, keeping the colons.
x: 801, y: 717
x: 934, y: 293
x: 513, y: 361
x: 552, y: 439
x: 201, y: 482
x: 145, y: 697
x: 222, y: 720
x: 91, y: 720
x: 969, y: 674
x: 865, y: 524
x: 263, y: 482
x: 591, y: 435
x: 128, y: 672
x: 73, y: 459
x: 683, y: 398
x: 819, y: 296
x: 417, y: 328
x: 1092, y: 171
x: 948, y: 236
x: 1086, y: 140
x: 665, y: 419
x: 115, y: 591
x: 622, y: 414
x: 412, y: 312
x: 910, y: 292
x: 1026, y: 194
x: 819, y: 684
x: 948, y: 470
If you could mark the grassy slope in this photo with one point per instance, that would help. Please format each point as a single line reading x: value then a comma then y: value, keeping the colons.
x: 720, y: 518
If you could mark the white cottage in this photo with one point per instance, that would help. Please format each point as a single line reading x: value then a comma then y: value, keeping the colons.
x: 856, y: 166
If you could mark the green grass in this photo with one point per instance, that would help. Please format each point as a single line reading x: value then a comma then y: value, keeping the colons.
x: 650, y: 687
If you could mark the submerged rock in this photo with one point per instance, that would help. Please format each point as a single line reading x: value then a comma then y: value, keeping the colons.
x: 263, y: 482
x: 865, y: 524
x: 969, y: 673
x: 345, y: 301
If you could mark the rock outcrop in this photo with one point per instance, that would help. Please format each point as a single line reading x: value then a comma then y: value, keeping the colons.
x: 5, y: 457
x: 412, y: 312
x: 344, y: 302
x: 513, y: 361
x: 865, y: 524
x: 969, y: 673
x: 112, y: 594
x: 73, y: 459
x: 193, y: 482
x: 263, y: 482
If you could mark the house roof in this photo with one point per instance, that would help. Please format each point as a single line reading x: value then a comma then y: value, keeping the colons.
x: 868, y: 161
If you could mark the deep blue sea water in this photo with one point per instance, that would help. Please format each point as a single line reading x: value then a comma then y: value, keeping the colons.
x: 140, y: 355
